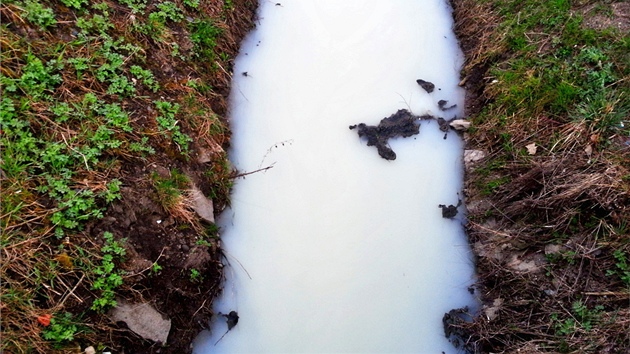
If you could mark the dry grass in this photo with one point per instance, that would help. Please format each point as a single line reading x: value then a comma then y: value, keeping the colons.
x: 475, y: 25
x: 550, y: 227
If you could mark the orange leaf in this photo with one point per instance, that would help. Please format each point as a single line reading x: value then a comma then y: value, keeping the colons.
x: 44, y: 320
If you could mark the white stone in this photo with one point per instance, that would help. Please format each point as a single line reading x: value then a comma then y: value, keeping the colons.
x: 460, y: 125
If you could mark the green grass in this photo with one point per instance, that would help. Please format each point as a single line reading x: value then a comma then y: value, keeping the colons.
x: 560, y: 68
x: 204, y: 34
x: 170, y: 189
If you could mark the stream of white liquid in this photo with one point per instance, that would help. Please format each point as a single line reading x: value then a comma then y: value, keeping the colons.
x: 335, y: 249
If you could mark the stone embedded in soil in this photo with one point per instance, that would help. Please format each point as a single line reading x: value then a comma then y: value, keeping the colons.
x: 492, y: 311
x: 208, y: 152
x: 426, y: 85
x: 530, y: 264
x: 553, y: 249
x: 198, y: 257
x: 401, y: 123
x: 202, y: 205
x: 471, y: 156
x: 143, y: 320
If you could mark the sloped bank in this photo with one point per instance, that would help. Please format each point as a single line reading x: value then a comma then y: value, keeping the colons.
x: 547, y: 174
x: 114, y: 130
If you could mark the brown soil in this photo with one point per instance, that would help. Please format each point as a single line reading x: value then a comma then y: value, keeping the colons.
x: 615, y: 15
x: 154, y: 234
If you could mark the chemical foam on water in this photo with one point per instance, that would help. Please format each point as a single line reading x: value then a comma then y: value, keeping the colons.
x: 335, y: 249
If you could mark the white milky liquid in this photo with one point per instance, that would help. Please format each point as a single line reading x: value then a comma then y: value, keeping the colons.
x: 340, y: 250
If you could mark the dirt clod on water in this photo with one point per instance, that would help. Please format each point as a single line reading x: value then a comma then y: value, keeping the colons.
x: 401, y: 123
x: 426, y: 85
x: 442, y: 104
x: 449, y: 212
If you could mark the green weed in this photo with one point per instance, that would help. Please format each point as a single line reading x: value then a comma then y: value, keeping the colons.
x: 156, y: 268
x: 199, y: 86
x: 41, y: 16
x: 111, y: 71
x: 622, y: 267
x: 192, y: 3
x: 195, y: 276
x: 555, y: 82
x: 582, y: 318
x: 38, y: 80
x: 494, y: 184
x: 108, y: 277
x: 96, y: 24
x: 570, y: 257
x: 136, y: 6
x: 142, y: 146
x: 168, y: 10
x: 156, y: 22
x: 146, y: 76
x: 167, y: 124
x: 228, y: 5
x: 62, y: 329
x: 77, y: 4
x: 68, y: 112
x: 204, y: 35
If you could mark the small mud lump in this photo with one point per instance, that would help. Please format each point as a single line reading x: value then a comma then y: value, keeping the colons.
x: 450, y: 211
x: 443, y: 107
x: 454, y: 330
x: 443, y: 124
x: 401, y: 123
x: 426, y: 85
x: 232, y: 319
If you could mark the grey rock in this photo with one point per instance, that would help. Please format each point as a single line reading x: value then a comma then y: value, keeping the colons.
x: 143, y: 320
x: 202, y: 205
x: 471, y: 156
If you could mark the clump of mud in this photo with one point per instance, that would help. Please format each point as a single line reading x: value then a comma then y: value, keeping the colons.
x: 402, y: 123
